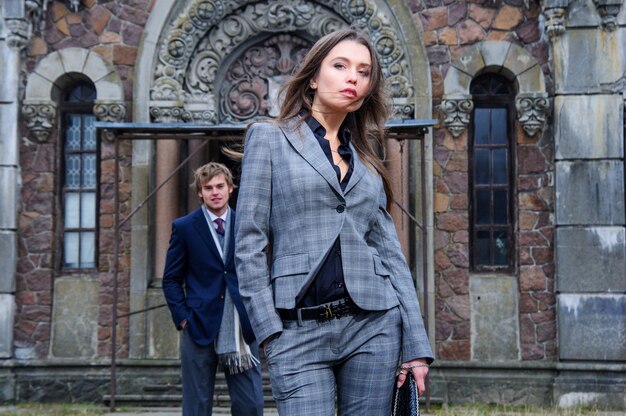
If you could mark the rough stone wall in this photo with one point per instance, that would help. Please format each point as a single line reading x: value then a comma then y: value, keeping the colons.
x: 449, y: 27
x: 106, y: 262
x: 35, y: 267
x: 113, y: 29
x: 535, y: 218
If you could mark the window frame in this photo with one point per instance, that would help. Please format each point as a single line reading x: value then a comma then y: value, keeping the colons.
x: 493, y: 102
x: 81, y: 108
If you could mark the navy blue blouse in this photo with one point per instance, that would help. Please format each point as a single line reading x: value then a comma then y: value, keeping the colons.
x: 328, y: 285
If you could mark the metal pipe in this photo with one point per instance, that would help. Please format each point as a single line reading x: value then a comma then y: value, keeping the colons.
x: 424, y: 244
x: 116, y: 250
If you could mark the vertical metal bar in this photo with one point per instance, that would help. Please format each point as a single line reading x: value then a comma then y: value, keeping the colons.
x: 424, y: 242
x: 115, y: 273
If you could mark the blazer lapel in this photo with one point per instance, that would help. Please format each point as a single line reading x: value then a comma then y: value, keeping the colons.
x: 359, y: 170
x: 305, y: 143
x: 202, y: 227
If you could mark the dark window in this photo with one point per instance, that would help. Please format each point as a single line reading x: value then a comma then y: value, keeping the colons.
x: 491, y: 174
x: 80, y: 178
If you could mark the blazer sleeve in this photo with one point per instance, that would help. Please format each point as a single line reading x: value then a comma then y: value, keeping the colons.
x: 252, y: 230
x: 174, y: 276
x: 384, y: 238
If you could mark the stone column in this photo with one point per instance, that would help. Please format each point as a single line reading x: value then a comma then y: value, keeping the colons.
x: 194, y: 163
x: 167, y: 159
x: 10, y: 49
x: 590, y: 214
x: 397, y: 155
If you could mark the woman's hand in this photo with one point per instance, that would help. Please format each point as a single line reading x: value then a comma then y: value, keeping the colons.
x: 419, y: 368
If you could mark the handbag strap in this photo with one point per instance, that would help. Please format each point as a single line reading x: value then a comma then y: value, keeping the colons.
x: 396, y: 396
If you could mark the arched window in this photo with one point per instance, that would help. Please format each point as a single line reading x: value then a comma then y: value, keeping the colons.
x: 79, y: 180
x: 491, y: 174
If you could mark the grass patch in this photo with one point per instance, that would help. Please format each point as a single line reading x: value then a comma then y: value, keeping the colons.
x: 501, y: 410
x: 85, y: 409
x: 53, y: 409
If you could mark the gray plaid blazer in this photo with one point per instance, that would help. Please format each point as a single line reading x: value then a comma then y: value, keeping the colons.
x: 291, y: 208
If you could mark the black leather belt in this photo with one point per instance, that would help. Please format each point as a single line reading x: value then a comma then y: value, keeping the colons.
x: 325, y: 312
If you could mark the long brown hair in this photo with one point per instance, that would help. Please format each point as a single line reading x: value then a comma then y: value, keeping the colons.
x: 367, y: 124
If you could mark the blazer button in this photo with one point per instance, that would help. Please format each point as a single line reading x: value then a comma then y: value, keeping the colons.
x: 341, y: 208
x: 222, y: 297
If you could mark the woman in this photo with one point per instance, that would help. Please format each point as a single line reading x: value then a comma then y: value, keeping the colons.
x: 336, y: 309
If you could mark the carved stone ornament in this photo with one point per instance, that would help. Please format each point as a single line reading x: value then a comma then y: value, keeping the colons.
x: 554, y: 13
x: 39, y: 116
x: 555, y: 21
x: 608, y: 11
x: 112, y: 111
x: 19, y: 32
x: 252, y: 83
x: 532, y: 109
x: 162, y: 113
x: 457, y: 112
x: 202, y: 40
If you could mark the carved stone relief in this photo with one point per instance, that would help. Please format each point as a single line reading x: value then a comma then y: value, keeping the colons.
x: 608, y: 11
x: 113, y: 111
x: 19, y: 32
x: 251, y: 85
x: 532, y: 109
x: 173, y: 113
x: 554, y: 13
x: 457, y: 112
x: 203, y: 38
x: 555, y: 21
x: 39, y: 116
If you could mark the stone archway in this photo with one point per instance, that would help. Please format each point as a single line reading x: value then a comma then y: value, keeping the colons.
x: 196, y: 44
x: 42, y: 88
x: 508, y: 59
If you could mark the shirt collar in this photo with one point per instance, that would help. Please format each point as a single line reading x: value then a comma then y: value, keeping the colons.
x: 319, y: 130
x: 213, y: 216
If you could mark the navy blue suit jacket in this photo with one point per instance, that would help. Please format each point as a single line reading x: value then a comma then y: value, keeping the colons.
x: 195, y: 279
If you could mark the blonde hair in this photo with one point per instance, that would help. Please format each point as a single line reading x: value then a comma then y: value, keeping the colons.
x: 207, y: 172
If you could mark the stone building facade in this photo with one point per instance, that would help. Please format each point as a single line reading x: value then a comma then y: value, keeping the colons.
x: 518, y: 185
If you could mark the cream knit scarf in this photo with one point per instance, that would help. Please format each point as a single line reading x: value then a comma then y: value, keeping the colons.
x: 233, y: 352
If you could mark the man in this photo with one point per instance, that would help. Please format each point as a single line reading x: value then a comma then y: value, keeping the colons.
x: 201, y: 289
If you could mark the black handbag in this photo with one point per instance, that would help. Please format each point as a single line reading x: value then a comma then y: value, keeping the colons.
x: 405, y: 398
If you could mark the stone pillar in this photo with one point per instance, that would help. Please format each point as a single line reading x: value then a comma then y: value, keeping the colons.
x: 397, y: 161
x: 590, y: 214
x: 10, y: 49
x: 167, y: 159
x: 194, y: 163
